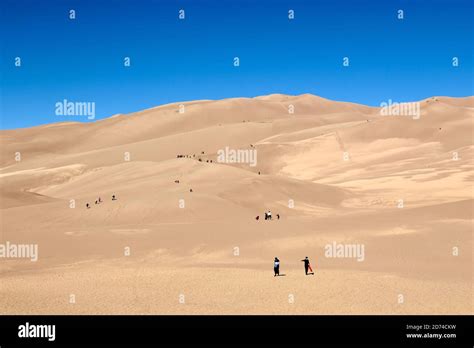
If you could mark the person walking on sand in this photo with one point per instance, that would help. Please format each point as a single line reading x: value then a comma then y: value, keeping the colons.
x: 276, y: 267
x: 269, y: 215
x: 307, y: 266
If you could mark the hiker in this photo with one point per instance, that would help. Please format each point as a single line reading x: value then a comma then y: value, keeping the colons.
x: 88, y: 206
x: 269, y: 215
x: 100, y: 200
x: 96, y: 202
x: 190, y: 190
x: 278, y: 216
x: 266, y: 216
x: 276, y: 267
x: 113, y: 198
x: 307, y: 265
x: 257, y: 218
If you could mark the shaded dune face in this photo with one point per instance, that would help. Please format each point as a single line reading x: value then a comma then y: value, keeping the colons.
x: 334, y: 171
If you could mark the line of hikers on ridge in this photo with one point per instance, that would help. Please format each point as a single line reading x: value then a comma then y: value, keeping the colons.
x: 99, y: 200
x: 307, y: 267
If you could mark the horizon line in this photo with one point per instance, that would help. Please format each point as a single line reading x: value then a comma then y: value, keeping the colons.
x: 95, y: 120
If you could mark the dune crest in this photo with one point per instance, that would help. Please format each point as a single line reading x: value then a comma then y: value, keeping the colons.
x: 334, y: 172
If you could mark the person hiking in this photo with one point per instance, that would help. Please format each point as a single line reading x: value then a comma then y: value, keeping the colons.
x: 269, y: 215
x: 307, y: 266
x: 113, y: 198
x: 276, y: 267
x: 87, y: 206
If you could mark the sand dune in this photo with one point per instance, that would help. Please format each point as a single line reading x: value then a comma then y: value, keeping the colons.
x: 334, y: 171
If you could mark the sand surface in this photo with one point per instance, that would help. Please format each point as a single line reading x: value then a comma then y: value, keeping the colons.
x: 334, y: 171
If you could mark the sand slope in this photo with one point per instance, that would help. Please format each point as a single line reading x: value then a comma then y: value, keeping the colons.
x: 334, y: 171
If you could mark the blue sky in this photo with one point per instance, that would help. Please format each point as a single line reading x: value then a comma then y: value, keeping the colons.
x: 177, y: 60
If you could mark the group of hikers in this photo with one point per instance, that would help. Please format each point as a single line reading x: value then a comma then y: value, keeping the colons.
x: 194, y: 156
x: 307, y: 266
x: 99, y: 200
x: 268, y: 216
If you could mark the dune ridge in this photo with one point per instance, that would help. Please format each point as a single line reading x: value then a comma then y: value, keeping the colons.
x: 334, y: 171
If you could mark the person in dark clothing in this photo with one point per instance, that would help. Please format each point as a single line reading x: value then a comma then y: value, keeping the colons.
x: 113, y: 198
x: 258, y: 217
x: 307, y: 266
x: 276, y: 267
x: 278, y: 216
x: 87, y: 206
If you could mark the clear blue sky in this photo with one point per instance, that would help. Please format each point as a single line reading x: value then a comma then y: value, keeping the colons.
x: 175, y: 60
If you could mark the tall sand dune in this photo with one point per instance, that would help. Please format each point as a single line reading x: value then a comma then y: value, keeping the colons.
x: 184, y: 219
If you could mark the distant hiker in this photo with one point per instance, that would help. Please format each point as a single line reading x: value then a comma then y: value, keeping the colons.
x: 96, y: 202
x: 276, y: 267
x: 88, y: 206
x: 266, y: 216
x: 100, y: 200
x: 257, y: 218
x: 190, y: 190
x: 113, y: 198
x: 258, y: 173
x: 176, y: 181
x: 278, y: 216
x: 307, y: 266
x: 269, y: 214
